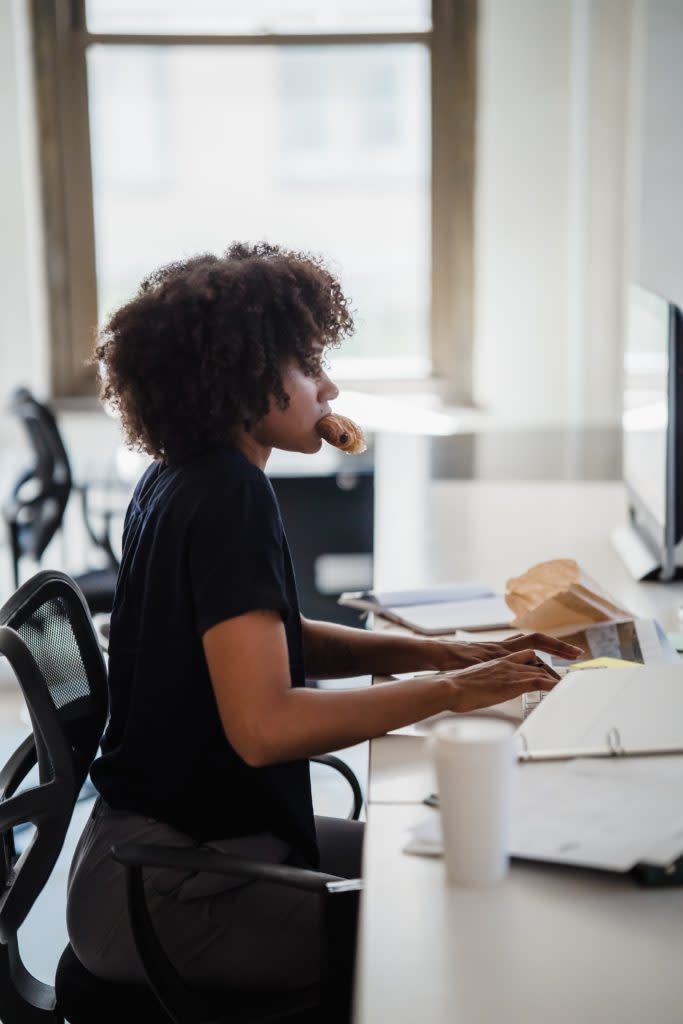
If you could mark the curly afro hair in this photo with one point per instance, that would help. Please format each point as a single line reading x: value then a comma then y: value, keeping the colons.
x: 200, y: 347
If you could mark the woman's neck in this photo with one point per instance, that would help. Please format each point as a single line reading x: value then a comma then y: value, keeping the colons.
x: 252, y: 450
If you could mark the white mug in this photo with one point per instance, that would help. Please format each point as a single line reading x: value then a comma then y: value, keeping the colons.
x: 474, y: 758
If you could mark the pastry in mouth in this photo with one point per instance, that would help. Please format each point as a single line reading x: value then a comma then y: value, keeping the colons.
x: 342, y: 433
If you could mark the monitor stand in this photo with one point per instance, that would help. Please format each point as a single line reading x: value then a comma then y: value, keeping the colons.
x: 634, y: 553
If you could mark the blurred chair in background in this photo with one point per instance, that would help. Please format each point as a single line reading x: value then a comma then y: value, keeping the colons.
x: 329, y: 523
x: 35, y: 510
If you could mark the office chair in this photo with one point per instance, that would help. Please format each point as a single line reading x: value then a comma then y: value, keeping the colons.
x: 323, y: 516
x: 47, y: 635
x: 36, y: 508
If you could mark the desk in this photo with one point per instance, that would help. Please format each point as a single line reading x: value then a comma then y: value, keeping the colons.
x: 550, y: 944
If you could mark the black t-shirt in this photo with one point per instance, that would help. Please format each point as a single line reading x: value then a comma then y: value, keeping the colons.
x: 202, y: 542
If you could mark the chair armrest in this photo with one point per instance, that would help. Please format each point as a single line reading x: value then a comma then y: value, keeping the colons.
x: 140, y: 855
x: 342, y: 767
x: 179, y: 1000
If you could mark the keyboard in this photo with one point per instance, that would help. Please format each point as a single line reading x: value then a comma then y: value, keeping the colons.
x: 531, y: 700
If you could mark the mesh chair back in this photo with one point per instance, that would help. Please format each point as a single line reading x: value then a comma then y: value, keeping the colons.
x: 39, y: 515
x: 47, y: 635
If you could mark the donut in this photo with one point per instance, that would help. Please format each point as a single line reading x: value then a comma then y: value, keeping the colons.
x: 342, y: 433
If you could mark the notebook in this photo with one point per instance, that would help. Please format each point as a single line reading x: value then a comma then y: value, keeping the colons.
x: 436, y: 611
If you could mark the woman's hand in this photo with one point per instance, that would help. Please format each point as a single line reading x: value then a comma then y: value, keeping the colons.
x: 493, y: 682
x: 454, y: 655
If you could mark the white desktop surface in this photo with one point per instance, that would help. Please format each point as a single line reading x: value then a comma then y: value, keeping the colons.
x: 549, y: 944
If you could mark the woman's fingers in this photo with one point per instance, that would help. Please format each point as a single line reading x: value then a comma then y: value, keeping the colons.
x: 543, y: 673
x: 482, y: 651
x: 549, y: 644
x: 538, y: 681
x: 518, y: 663
x: 536, y: 641
x: 527, y: 656
x: 493, y: 682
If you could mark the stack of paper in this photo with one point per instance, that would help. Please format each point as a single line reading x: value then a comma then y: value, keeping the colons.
x: 608, y: 814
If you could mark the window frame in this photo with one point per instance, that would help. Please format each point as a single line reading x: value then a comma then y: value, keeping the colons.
x: 60, y: 42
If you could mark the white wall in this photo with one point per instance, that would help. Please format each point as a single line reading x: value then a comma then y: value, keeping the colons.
x: 23, y: 327
x: 553, y: 80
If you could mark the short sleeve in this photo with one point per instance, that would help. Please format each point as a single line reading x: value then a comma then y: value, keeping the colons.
x: 236, y: 554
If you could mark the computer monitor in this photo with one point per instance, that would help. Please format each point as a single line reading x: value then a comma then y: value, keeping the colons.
x: 653, y: 429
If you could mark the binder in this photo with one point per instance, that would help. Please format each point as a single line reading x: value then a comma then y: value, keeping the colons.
x: 598, y: 713
x: 627, y: 715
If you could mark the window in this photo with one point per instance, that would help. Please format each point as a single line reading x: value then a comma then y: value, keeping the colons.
x: 303, y: 122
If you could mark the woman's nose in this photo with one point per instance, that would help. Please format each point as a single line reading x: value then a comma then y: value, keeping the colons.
x: 329, y: 389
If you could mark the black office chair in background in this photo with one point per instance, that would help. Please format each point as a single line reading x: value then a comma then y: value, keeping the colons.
x: 329, y: 518
x: 47, y: 635
x: 35, y: 510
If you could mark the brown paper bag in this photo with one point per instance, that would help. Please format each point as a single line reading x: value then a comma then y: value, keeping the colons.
x: 557, y: 597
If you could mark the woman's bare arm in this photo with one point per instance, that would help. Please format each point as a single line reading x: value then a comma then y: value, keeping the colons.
x: 267, y: 720
x: 337, y: 652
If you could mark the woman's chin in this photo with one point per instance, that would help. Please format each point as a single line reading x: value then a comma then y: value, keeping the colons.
x: 306, y: 446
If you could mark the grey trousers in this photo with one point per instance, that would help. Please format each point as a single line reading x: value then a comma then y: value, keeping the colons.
x: 217, y: 931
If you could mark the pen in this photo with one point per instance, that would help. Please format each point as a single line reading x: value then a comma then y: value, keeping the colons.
x: 539, y: 663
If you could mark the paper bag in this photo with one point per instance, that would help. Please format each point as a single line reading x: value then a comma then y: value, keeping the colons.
x: 557, y: 597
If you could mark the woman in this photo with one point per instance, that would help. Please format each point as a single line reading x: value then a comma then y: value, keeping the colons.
x: 215, y: 362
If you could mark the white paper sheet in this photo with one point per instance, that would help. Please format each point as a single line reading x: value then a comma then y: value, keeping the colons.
x: 591, y: 812
x: 603, y: 813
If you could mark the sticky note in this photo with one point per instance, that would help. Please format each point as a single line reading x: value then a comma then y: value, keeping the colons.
x: 605, y: 663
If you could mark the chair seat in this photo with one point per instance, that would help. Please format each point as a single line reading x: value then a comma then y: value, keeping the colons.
x: 83, y: 999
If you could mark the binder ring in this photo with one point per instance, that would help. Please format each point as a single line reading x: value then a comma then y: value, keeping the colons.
x: 524, y: 754
x: 614, y: 742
